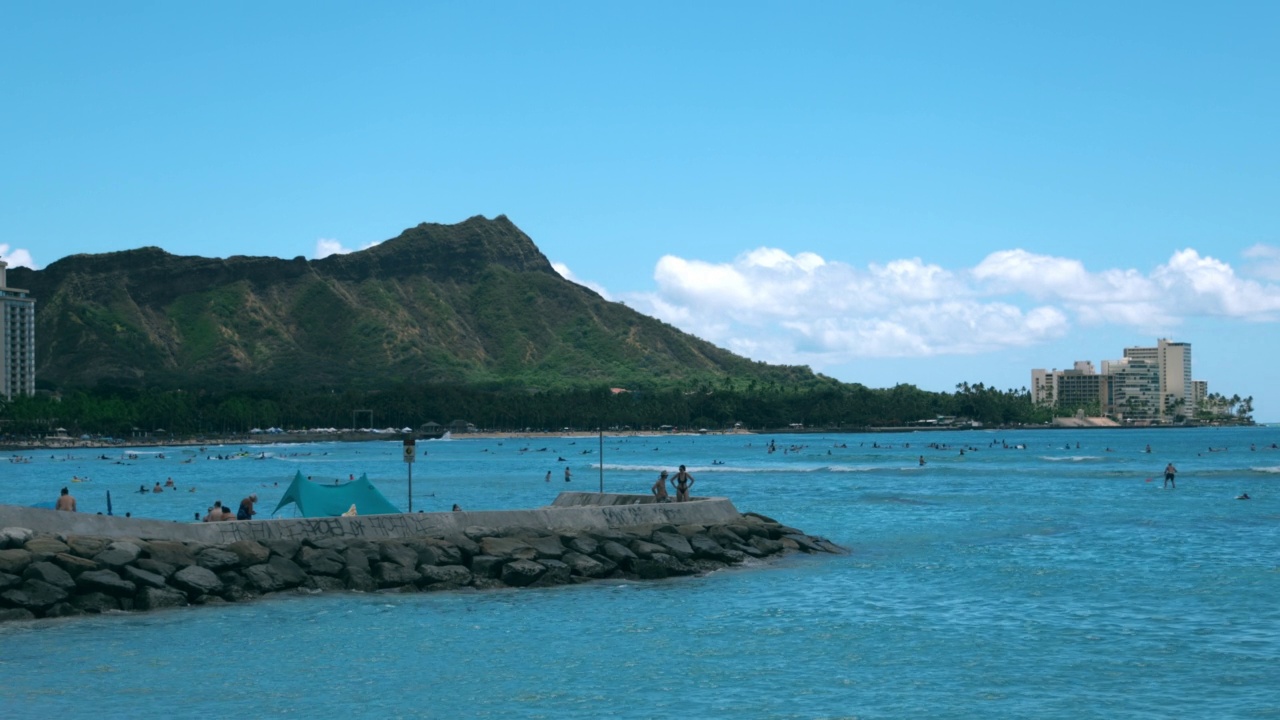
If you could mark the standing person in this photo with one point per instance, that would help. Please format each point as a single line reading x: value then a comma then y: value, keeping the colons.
x: 566, y: 473
x: 246, y: 511
x: 548, y: 476
x: 683, y: 482
x: 1169, y: 472
x: 659, y: 488
x: 66, y: 501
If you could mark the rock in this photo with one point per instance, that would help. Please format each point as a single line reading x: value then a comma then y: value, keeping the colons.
x: 708, y: 549
x: 510, y: 548
x: 196, y: 580
x: 105, y: 581
x: 250, y: 552
x: 118, y: 554
x: 557, y: 573
x: 725, y: 535
x: 14, y: 537
x: 468, y: 547
x: 286, y: 571
x: 217, y: 559
x: 398, y: 553
x: 486, y: 566
x: 689, y: 531
x: 14, y: 560
x: 588, y: 566
x: 356, y: 559
x: 439, y: 577
x: 584, y: 544
x: 546, y: 547
x: 12, y: 614
x: 62, y: 609
x: 34, y: 595
x: 8, y: 580
x: 155, y: 598
x: 675, y: 544
x: 766, y: 546
x: 749, y: 549
x: 138, y: 576
x: 95, y: 602
x: 659, y: 566
x: 477, y: 533
x: 393, y: 574
x: 260, y: 579
x: 320, y: 562
x: 73, y: 564
x: 43, y: 547
x: 84, y: 546
x: 358, y: 579
x: 617, y: 552
x: 170, y: 552
x: 237, y: 594
x: 521, y: 573
x: 283, y: 548
x: 324, y: 583
x: 164, y: 570
x: 50, y: 573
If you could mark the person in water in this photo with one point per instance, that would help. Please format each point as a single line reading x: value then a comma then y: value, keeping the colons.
x: 683, y: 482
x: 659, y: 488
x: 1169, y: 472
x: 66, y: 501
x: 1243, y: 496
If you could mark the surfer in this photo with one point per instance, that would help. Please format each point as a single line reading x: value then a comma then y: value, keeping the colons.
x: 1243, y: 496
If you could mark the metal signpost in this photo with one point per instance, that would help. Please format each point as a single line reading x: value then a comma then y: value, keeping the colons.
x: 410, y: 454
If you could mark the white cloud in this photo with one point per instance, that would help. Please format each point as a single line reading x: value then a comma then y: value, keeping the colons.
x: 17, y: 257
x: 1265, y: 261
x: 567, y: 274
x: 328, y: 246
x: 773, y: 306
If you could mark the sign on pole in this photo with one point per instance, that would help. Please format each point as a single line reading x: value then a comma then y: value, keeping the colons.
x: 410, y: 455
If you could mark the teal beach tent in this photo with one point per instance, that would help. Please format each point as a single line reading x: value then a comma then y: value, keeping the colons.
x: 315, y: 500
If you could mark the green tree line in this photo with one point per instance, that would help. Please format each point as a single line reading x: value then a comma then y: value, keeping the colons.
x: 125, y: 412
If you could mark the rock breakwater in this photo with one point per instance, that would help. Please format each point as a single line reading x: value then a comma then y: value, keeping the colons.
x: 46, y: 574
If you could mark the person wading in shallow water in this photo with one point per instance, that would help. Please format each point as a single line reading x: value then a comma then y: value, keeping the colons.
x: 1169, y: 472
x: 683, y: 482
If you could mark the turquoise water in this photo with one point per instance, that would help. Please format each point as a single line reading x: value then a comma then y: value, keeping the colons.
x: 1041, y: 581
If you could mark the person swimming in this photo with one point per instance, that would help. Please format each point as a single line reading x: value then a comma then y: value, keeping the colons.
x: 1243, y: 496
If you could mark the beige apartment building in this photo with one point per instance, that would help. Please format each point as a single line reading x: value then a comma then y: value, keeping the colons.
x: 1147, y: 384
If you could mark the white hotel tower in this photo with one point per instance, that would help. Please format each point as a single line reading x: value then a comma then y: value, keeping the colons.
x: 17, y: 339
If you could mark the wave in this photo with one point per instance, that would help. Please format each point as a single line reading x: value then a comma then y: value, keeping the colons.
x: 770, y: 469
x: 1072, y: 458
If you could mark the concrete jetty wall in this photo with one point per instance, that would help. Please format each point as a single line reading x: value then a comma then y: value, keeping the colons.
x: 570, y: 510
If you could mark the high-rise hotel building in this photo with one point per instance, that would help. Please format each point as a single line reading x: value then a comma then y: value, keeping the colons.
x: 1148, y: 383
x: 17, y: 339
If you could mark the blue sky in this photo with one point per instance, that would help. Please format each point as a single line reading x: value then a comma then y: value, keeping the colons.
x: 915, y: 192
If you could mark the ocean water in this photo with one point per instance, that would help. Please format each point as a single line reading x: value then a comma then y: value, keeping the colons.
x: 1040, y: 574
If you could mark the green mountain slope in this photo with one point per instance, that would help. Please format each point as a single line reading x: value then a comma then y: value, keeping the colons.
x: 471, y: 303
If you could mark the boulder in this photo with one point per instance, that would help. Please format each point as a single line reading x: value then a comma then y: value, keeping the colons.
x: 583, y: 544
x: 14, y: 560
x: 320, y: 562
x: 324, y: 583
x: 393, y: 574
x: 477, y: 533
x: 283, y: 548
x: 398, y: 553
x: 725, y: 535
x: 487, y: 566
x: 261, y: 580
x: 521, y: 573
x: 142, y: 578
x: 8, y: 580
x: 50, y: 573
x: 43, y: 547
x: 617, y: 552
x: 547, y: 547
x: 85, y: 546
x: 250, y: 552
x: 358, y: 579
x: 286, y: 570
x: 155, y: 598
x: 34, y: 595
x: 14, y: 537
x: 674, y: 543
x: 557, y: 573
x: 587, y: 566
x: 510, y: 548
x: 356, y: 559
x: 645, y: 549
x: 468, y: 547
x: 95, y: 602
x: 162, y: 569
x: 439, y: 577
x: 118, y: 554
x: 217, y: 559
x: 708, y: 549
x: 766, y: 546
x: 105, y: 581
x: 10, y: 614
x: 170, y: 552
x: 196, y: 580
x: 62, y: 609
x: 73, y: 564
x: 659, y: 566
x: 691, y: 530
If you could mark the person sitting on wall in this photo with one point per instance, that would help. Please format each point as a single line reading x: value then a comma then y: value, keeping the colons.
x: 246, y: 511
x: 227, y: 514
x: 66, y: 501
x: 215, y: 512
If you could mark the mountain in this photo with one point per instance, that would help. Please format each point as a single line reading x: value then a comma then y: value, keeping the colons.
x: 471, y: 303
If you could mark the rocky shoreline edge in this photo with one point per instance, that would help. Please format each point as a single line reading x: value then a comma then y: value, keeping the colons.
x: 46, y: 575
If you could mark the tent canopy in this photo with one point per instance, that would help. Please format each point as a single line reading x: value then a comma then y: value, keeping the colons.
x: 315, y: 500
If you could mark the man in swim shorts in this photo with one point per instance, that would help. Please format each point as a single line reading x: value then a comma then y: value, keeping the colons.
x: 1169, y: 472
